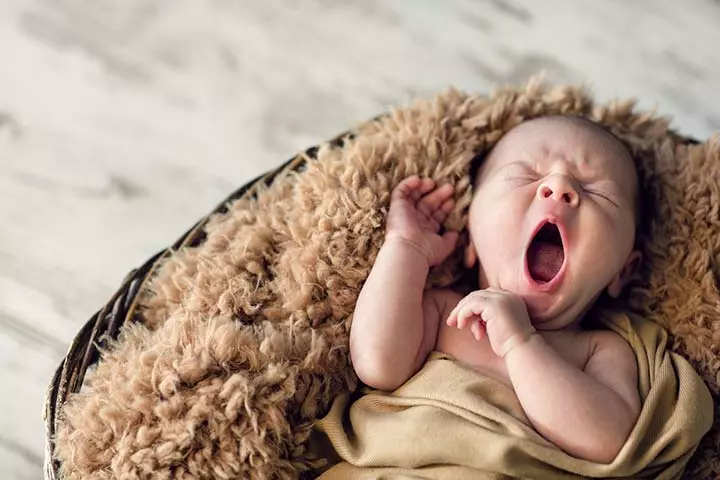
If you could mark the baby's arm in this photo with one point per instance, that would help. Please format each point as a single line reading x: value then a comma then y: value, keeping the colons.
x: 590, y: 413
x: 395, y: 325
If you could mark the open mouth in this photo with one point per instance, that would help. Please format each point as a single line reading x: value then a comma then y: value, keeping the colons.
x: 546, y: 254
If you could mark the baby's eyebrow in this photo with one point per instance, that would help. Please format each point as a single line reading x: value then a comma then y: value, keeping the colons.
x: 583, y: 165
x: 514, y: 163
x: 504, y: 167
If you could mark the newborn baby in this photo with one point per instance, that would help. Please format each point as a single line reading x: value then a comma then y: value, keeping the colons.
x: 552, y: 226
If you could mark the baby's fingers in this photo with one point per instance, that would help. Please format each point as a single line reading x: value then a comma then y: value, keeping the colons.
x: 464, y: 315
x: 477, y: 328
x: 468, y: 312
x: 426, y: 185
x: 442, y: 212
x: 433, y: 200
x: 406, y: 187
x: 453, y: 318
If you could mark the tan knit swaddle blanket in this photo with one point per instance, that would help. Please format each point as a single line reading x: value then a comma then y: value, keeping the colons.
x: 450, y: 422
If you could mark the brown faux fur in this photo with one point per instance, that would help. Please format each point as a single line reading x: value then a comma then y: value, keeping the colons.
x: 244, y: 339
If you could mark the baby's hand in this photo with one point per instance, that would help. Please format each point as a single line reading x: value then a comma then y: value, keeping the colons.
x: 417, y: 209
x: 500, y: 315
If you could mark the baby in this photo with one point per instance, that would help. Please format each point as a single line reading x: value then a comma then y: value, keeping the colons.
x: 552, y: 226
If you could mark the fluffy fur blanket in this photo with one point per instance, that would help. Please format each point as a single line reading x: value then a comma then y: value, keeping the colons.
x: 242, y: 342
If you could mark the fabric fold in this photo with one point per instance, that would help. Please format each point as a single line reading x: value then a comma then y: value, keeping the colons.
x: 451, y: 422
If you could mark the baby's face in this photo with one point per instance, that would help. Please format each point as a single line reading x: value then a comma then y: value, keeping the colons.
x: 581, y: 184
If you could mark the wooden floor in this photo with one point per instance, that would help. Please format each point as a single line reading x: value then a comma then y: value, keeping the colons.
x: 122, y: 122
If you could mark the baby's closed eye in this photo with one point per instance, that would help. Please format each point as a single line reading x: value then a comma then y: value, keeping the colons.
x: 520, y: 172
x: 602, y: 192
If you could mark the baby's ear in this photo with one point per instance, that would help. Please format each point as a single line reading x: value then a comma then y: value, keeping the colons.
x: 632, y: 264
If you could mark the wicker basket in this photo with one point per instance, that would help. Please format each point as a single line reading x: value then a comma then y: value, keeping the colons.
x: 83, y: 352
x: 121, y: 308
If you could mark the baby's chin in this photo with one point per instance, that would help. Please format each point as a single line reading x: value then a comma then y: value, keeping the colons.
x: 547, y: 311
x: 550, y: 312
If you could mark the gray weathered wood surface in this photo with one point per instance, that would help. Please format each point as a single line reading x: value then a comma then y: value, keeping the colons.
x: 123, y: 121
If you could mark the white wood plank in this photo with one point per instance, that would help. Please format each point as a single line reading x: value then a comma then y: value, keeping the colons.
x: 26, y: 361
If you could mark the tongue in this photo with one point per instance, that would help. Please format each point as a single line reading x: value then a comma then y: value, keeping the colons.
x: 545, y: 260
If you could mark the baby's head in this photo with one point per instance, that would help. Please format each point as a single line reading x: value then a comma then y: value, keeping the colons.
x: 553, y: 218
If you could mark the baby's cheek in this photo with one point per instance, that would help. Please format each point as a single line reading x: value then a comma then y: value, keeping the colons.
x: 496, y: 224
x: 494, y: 247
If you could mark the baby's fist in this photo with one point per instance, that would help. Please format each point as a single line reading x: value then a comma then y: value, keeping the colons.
x: 499, y: 314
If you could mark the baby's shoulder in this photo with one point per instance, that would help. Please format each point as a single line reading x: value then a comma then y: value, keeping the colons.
x: 613, y: 363
x: 609, y: 348
x: 584, y: 348
x: 606, y: 340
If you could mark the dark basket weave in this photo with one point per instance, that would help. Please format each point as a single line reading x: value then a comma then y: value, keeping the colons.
x: 83, y: 352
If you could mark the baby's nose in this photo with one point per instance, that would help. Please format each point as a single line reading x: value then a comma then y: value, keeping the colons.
x: 560, y: 189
